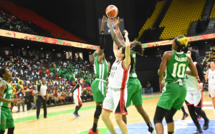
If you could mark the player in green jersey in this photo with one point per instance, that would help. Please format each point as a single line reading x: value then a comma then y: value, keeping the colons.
x: 99, y: 84
x: 134, y: 87
x: 174, y: 64
x: 6, y: 93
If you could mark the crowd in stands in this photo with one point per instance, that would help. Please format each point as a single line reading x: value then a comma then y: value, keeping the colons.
x: 61, y: 76
x: 10, y: 22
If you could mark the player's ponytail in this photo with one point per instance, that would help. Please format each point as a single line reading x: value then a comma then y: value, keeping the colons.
x: 182, y: 42
x: 137, y: 47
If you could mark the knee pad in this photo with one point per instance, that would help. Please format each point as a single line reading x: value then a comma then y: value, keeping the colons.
x: 158, y: 119
x: 98, y: 111
x: 169, y: 119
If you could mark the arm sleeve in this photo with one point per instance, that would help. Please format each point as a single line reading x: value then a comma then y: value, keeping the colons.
x: 76, y: 87
x: 102, y: 40
x: 201, y: 75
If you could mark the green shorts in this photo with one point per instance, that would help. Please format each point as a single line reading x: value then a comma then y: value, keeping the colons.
x: 6, y: 118
x: 99, y: 90
x: 134, y: 89
x: 173, y: 96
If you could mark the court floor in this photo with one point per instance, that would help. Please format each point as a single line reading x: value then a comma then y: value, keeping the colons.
x: 61, y: 120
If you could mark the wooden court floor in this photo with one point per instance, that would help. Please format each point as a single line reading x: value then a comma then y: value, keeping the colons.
x: 61, y: 120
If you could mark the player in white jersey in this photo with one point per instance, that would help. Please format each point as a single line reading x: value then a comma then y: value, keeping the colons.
x: 116, y: 97
x: 210, y: 76
x: 77, y: 96
x: 194, y: 95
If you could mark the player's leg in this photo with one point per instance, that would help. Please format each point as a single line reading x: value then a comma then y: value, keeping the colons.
x: 193, y: 115
x: 98, y: 97
x: 213, y: 101
x: 212, y: 94
x: 3, y: 115
x: 169, y: 119
x: 121, y: 123
x: 10, y: 122
x: 75, y: 98
x: 96, y: 116
x: 185, y: 114
x: 107, y: 121
x: 138, y: 101
x: 198, y: 109
x: 178, y: 100
x: 145, y: 116
x: 158, y: 118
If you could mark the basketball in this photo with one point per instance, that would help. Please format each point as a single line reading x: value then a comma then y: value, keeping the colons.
x: 111, y: 11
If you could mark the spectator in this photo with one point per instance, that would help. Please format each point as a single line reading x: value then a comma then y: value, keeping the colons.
x: 149, y: 88
x: 20, y: 95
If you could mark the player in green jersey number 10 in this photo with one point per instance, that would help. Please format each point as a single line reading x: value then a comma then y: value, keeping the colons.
x: 175, y: 63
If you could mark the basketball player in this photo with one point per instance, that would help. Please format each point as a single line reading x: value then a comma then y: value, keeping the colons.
x: 5, y: 98
x: 194, y: 95
x: 134, y: 87
x: 116, y: 97
x: 99, y: 84
x: 77, y: 96
x: 210, y: 77
x: 175, y: 63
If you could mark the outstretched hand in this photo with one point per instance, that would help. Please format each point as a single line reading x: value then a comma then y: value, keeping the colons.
x: 104, y: 19
x: 117, y: 21
x: 126, y: 33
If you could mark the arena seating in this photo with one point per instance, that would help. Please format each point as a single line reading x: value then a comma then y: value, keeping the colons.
x: 29, y: 15
x: 212, y: 16
x: 180, y: 16
x: 150, y: 21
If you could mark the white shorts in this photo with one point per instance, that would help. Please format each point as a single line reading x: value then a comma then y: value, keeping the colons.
x: 211, y: 88
x: 115, y: 101
x: 194, y: 98
x: 77, y: 100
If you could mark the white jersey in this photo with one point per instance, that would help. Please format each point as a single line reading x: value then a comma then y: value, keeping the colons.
x: 77, y: 89
x: 118, y: 76
x: 211, y: 77
x: 191, y: 81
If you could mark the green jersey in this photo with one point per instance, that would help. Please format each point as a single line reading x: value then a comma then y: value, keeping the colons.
x: 100, y: 69
x: 7, y: 94
x: 133, y: 71
x: 176, y: 67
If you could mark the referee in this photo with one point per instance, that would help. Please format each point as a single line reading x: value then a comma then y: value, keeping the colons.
x: 42, y: 97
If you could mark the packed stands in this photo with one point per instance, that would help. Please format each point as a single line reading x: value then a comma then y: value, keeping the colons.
x: 29, y: 15
x: 29, y: 68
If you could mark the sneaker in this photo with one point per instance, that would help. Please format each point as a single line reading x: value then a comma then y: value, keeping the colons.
x: 153, y: 132
x: 91, y: 131
x: 185, y: 116
x: 206, y: 124
x: 198, y: 131
x: 199, y: 117
x: 76, y: 115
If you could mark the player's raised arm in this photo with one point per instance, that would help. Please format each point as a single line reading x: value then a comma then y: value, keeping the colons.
x: 127, y: 60
x: 100, y: 52
x: 113, y: 34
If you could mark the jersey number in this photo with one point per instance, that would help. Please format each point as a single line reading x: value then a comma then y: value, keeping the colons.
x: 179, y: 70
